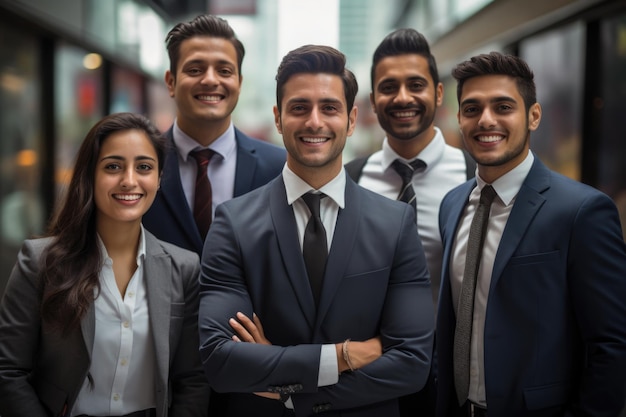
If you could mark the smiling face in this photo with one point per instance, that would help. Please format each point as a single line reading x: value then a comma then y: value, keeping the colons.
x: 126, y: 178
x: 495, y: 125
x: 205, y: 87
x: 315, y: 123
x: 405, y: 99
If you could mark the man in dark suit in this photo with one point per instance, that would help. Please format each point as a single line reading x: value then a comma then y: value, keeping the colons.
x: 347, y: 340
x: 205, y: 80
x: 543, y: 300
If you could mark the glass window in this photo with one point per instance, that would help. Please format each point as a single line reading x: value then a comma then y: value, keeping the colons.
x: 612, y: 149
x: 126, y: 91
x: 557, y: 59
x: 78, y: 106
x: 162, y: 108
x: 22, y: 212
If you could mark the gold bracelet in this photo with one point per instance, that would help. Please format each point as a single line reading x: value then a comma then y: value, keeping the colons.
x: 346, y: 355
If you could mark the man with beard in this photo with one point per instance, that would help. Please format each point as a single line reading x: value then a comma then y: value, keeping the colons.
x: 533, y: 323
x: 405, y: 95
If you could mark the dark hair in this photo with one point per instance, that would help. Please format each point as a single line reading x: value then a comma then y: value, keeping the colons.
x: 404, y: 42
x: 202, y: 25
x: 496, y: 63
x: 72, y: 262
x: 316, y: 59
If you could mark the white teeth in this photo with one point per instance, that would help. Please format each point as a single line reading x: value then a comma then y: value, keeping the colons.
x: 405, y: 114
x: 210, y: 98
x: 128, y: 197
x: 313, y: 140
x: 489, y: 138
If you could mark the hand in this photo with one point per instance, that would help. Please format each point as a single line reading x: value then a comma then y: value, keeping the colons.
x: 360, y: 353
x: 251, y: 331
x: 248, y: 330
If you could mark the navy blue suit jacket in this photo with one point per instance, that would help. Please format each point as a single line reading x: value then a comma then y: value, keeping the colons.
x: 376, y: 283
x: 171, y: 219
x: 555, y: 326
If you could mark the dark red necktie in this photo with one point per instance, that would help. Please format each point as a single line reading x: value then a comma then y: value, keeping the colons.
x: 202, y: 205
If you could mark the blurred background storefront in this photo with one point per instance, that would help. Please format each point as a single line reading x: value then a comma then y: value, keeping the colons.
x: 66, y: 63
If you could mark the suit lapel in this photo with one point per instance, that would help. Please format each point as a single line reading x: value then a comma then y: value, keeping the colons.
x: 88, y: 328
x: 343, y: 241
x: 527, y: 203
x: 287, y: 235
x: 158, y: 273
x: 173, y: 195
x: 246, y: 164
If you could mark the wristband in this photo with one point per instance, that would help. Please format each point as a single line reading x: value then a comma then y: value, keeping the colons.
x: 346, y: 354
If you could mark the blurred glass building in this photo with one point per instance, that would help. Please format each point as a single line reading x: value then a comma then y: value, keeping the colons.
x: 66, y: 63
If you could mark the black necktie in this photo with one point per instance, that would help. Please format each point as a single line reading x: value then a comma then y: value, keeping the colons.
x: 202, y: 205
x: 407, y: 193
x: 315, y: 248
x: 465, y: 310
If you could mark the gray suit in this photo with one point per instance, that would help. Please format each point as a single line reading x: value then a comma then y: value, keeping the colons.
x: 41, y: 373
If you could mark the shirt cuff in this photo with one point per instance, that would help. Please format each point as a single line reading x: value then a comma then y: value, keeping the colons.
x: 329, y: 368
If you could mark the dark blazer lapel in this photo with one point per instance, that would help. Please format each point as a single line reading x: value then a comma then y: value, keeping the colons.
x: 284, y: 223
x: 246, y: 164
x: 172, y: 192
x: 158, y: 273
x: 88, y: 329
x: 527, y: 204
x: 343, y: 241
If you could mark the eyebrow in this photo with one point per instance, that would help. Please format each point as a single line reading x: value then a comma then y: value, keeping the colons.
x: 327, y: 100
x: 505, y: 99
x: 121, y: 158
x: 395, y: 79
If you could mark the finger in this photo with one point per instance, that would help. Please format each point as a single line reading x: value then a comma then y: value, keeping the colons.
x: 243, y: 334
x: 235, y: 338
x: 257, y: 322
x: 250, y: 326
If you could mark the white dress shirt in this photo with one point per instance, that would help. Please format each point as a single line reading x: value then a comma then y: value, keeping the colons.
x: 445, y: 169
x: 123, y: 360
x: 329, y: 208
x: 221, y: 168
x: 507, y: 187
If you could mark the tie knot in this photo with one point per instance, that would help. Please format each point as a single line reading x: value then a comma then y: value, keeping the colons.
x: 202, y: 156
x: 312, y: 200
x: 487, y: 195
x: 406, y: 170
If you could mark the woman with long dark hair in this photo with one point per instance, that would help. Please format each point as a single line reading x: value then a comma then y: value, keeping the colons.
x: 100, y: 318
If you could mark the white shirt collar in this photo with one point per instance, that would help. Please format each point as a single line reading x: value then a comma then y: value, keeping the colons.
x: 431, y: 154
x: 508, y: 185
x: 141, y: 250
x: 296, y: 187
x: 223, y: 146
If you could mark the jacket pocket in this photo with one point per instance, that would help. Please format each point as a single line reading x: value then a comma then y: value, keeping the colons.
x: 545, y: 396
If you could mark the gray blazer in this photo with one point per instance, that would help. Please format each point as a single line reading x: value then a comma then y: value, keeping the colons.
x: 41, y: 373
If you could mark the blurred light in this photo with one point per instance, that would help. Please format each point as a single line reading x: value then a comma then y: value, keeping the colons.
x: 26, y: 158
x: 92, y: 61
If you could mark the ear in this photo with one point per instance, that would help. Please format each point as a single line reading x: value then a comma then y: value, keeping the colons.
x: 534, y: 116
x: 372, y: 102
x: 439, y: 92
x: 277, y: 120
x: 352, y: 119
x: 170, y: 82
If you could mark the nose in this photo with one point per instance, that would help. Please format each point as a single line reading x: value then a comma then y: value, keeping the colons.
x: 487, y: 119
x: 210, y: 77
x: 315, y: 119
x: 403, y: 96
x: 128, y: 180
